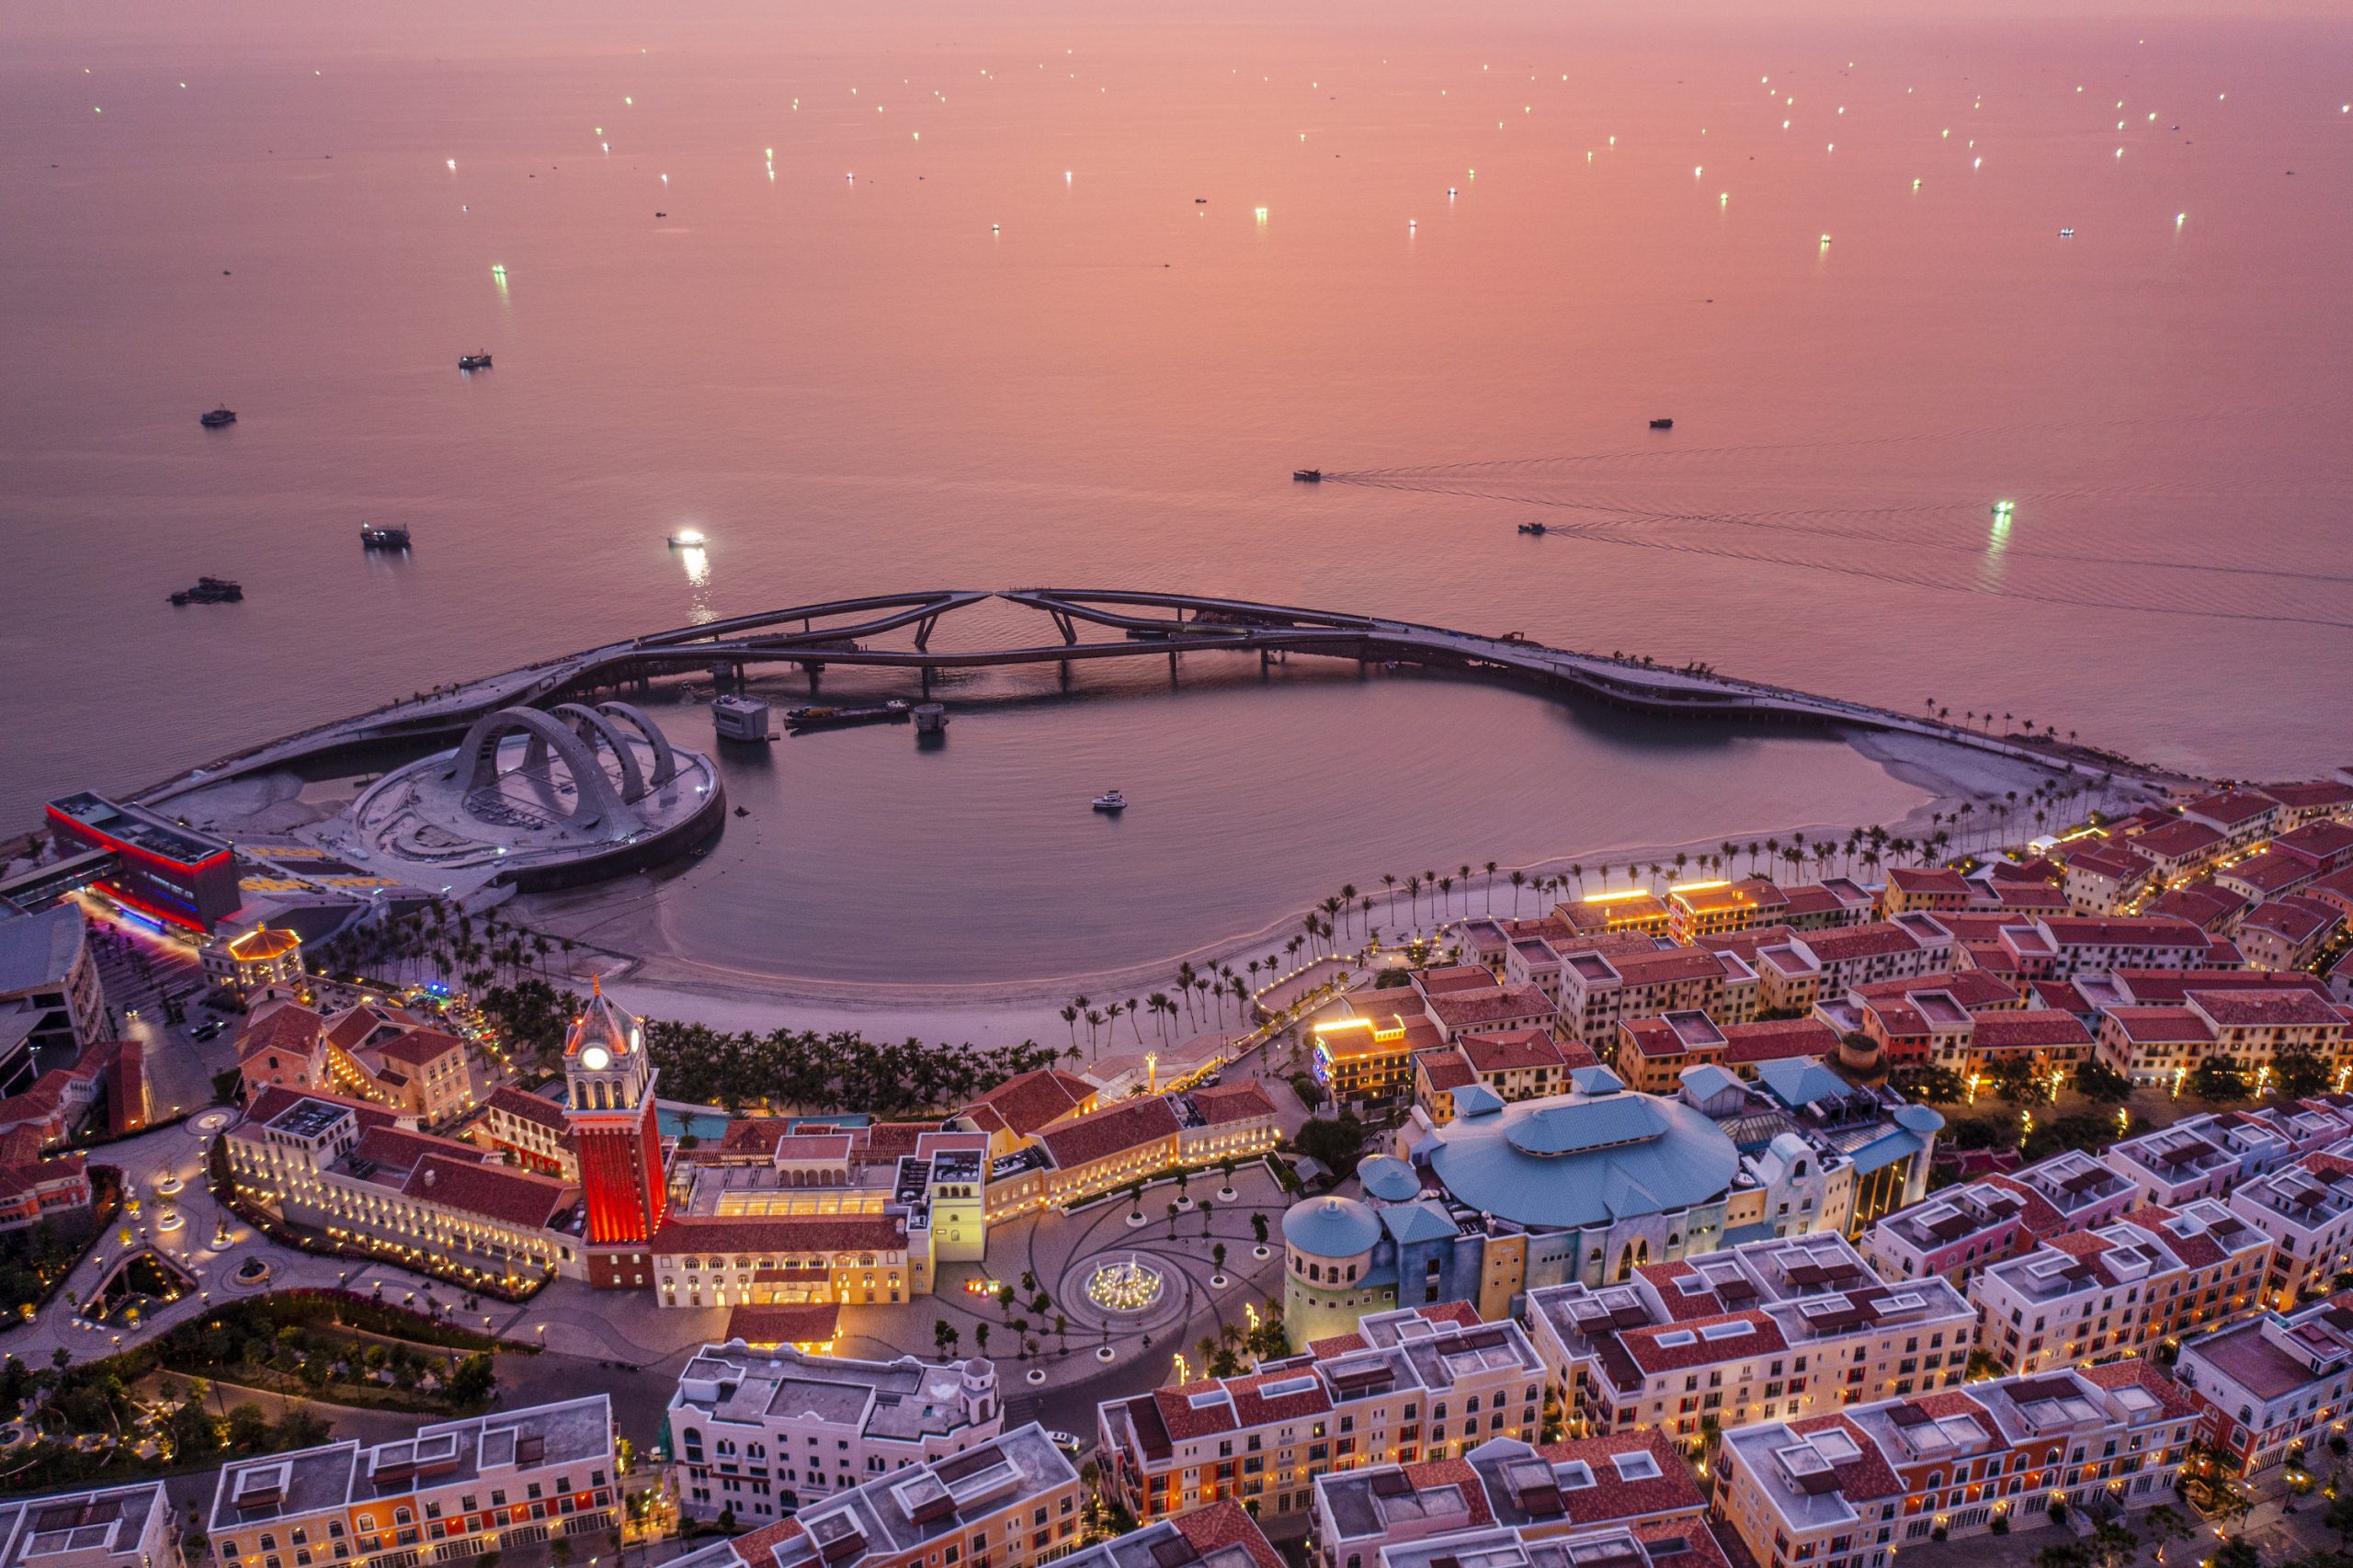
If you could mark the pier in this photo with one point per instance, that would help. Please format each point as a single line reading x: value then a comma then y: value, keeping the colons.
x: 1076, y: 625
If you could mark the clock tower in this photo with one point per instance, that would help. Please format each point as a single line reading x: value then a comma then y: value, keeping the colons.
x: 608, y: 1103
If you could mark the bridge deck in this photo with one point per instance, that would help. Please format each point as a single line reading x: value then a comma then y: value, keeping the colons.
x: 1216, y: 625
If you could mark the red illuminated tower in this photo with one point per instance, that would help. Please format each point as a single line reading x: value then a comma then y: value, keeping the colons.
x: 609, y: 1104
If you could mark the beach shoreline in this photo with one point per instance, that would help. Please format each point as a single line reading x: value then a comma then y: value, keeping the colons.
x: 622, y: 949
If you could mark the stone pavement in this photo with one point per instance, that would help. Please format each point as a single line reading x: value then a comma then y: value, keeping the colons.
x: 176, y: 1153
x: 1071, y: 1373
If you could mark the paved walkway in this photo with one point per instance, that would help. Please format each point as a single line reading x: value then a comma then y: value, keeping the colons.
x: 176, y: 1153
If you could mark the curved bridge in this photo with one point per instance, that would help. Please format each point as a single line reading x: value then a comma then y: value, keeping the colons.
x: 1074, y: 625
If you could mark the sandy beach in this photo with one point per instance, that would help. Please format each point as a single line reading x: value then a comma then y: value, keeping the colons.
x: 624, y: 948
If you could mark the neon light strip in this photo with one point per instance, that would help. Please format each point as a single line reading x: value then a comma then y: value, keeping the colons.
x: 141, y: 904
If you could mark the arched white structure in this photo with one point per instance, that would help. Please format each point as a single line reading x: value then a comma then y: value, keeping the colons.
x: 665, y: 761
x: 597, y: 804
x: 593, y: 727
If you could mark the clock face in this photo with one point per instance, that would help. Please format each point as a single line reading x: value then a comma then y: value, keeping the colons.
x: 596, y: 1058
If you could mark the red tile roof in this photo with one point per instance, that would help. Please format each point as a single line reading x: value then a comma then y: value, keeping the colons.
x: 537, y: 1109
x: 2177, y: 839
x: 1927, y: 879
x: 1868, y: 1475
x: 2122, y: 931
x: 2231, y: 808
x: 1226, y: 1523
x: 418, y: 1047
x: 2133, y: 1369
x: 1511, y: 1050
x: 2028, y: 1028
x: 496, y: 1192
x: 804, y: 1323
x: 1468, y: 1009
x: 2308, y: 796
x: 1612, y: 1497
x: 1243, y: 1101
x: 781, y: 1233
x: 1445, y: 1070
x: 1878, y: 940
x: 1763, y: 1338
x: 1032, y: 1101
x: 2161, y: 1025
x: 2292, y: 919
x: 2265, y: 1009
x: 1130, y: 1124
x: 286, y: 1027
x: 1776, y: 1038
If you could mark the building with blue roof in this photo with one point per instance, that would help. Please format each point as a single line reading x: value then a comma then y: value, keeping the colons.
x: 1588, y: 1187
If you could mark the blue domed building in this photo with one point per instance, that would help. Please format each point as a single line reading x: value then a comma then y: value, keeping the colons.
x: 1592, y: 1185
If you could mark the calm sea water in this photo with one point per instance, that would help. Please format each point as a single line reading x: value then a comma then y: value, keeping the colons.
x: 941, y: 302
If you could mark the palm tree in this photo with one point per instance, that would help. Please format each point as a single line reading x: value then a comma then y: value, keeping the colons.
x: 1446, y: 891
x: 1133, y: 1032
x: 1491, y: 867
x: 1069, y: 1017
x: 1518, y: 881
x: 1413, y: 892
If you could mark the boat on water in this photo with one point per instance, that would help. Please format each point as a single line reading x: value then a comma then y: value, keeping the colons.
x: 1661, y: 423
x: 373, y: 538
x: 893, y: 712
x: 474, y: 361
x: 210, y: 591
x: 222, y: 416
x: 1534, y: 529
x: 1110, y: 800
x: 1308, y: 475
x: 686, y: 538
x: 739, y: 718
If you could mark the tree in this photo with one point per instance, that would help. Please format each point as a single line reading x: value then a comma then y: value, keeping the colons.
x: 944, y: 1336
x: 2166, y: 1523
x: 2236, y: 1551
x: 1217, y: 1258
x: 1259, y: 1227
x: 2220, y: 1079
x: 2103, y: 1085
x: 981, y: 1337
x: 1335, y: 1146
x: 473, y: 1379
x: 248, y: 1428
x: 2300, y: 1072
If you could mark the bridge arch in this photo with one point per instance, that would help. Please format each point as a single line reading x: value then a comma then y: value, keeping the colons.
x: 665, y: 761
x: 593, y: 727
x: 595, y: 804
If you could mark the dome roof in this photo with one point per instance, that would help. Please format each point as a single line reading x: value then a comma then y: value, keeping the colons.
x: 1330, y: 1227
x: 1569, y: 1161
x: 1921, y: 1119
x: 1388, y: 1180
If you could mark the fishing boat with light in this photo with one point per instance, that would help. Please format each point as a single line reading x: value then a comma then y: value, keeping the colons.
x: 1308, y: 475
x: 1661, y: 423
x: 222, y: 416
x: 686, y: 538
x: 1110, y: 800
x: 474, y: 361
x: 1538, y: 528
x: 373, y: 538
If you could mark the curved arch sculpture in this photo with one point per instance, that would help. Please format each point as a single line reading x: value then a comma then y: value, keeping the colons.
x: 593, y: 727
x: 665, y: 761
x: 597, y: 804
